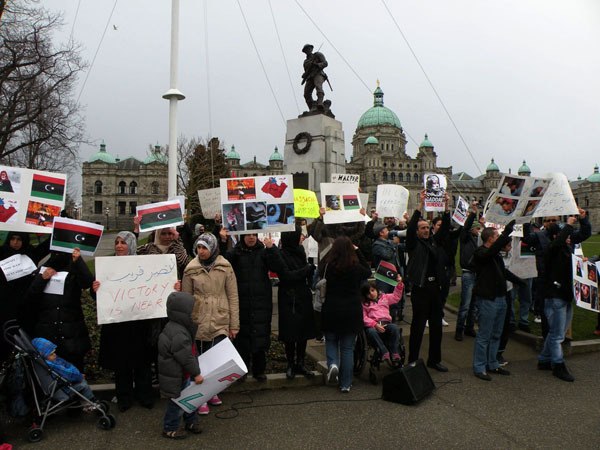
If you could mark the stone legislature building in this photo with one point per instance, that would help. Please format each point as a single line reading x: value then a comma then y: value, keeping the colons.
x: 112, y: 188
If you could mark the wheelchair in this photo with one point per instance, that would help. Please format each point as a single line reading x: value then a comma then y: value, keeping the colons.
x: 366, y: 351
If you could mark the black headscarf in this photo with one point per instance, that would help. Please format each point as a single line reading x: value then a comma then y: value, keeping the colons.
x: 7, y: 251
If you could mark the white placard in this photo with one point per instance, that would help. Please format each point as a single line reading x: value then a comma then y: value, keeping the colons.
x: 341, y: 202
x: 461, y: 211
x: 220, y: 366
x: 311, y: 247
x: 30, y: 199
x: 56, y: 283
x: 435, y: 191
x: 134, y: 287
x: 392, y: 200
x: 17, y: 266
x: 210, y: 202
x: 345, y: 178
x: 558, y: 200
x: 522, y: 264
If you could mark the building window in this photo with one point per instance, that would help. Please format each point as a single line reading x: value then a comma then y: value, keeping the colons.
x: 408, y: 177
x: 98, y: 207
x: 98, y: 187
x: 392, y: 147
x: 133, y: 187
x: 416, y: 166
x: 132, y: 208
x: 384, y: 164
x: 400, y: 165
x: 387, y: 146
x: 122, y: 207
x: 400, y: 177
x: 154, y: 187
x: 384, y: 176
x: 587, y: 201
x: 374, y: 177
x: 122, y: 187
x: 416, y: 178
x: 393, y: 177
x: 382, y: 147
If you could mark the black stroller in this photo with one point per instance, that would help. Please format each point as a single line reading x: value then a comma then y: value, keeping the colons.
x: 51, y: 393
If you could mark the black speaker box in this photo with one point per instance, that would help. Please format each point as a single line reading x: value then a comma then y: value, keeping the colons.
x: 409, y: 385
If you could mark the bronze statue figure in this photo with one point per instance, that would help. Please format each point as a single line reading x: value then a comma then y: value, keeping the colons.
x: 313, y: 79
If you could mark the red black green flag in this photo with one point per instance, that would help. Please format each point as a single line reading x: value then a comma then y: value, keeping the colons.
x: 162, y: 215
x: 47, y: 187
x: 350, y: 202
x: 69, y: 234
x: 387, y: 273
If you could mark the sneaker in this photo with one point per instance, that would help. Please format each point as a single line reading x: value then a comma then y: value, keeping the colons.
x: 345, y: 390
x: 483, y: 376
x: 501, y: 360
x: 427, y: 324
x: 332, y: 374
x: 203, y: 410
x: 386, y: 359
x: 178, y: 434
x: 193, y: 428
x: 396, y: 357
x: 215, y: 401
x: 444, y: 323
x: 500, y: 371
x: 538, y: 319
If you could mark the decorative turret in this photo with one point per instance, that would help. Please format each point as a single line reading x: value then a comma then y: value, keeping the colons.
x: 524, y: 169
x: 102, y: 156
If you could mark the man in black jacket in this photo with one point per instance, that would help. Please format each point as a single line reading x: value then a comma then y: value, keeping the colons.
x: 490, y: 291
x: 425, y: 271
x: 558, y: 292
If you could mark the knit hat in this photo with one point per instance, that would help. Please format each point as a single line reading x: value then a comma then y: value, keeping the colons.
x: 378, y: 228
x: 475, y: 225
x: 130, y: 240
x: 44, y: 346
x: 208, y: 241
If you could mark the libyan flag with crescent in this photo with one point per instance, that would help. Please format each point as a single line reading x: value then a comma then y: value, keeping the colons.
x: 160, y: 215
x: 68, y: 234
x: 50, y: 188
x: 387, y: 273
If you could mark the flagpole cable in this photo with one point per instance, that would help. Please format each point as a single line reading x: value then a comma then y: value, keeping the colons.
x: 74, y: 20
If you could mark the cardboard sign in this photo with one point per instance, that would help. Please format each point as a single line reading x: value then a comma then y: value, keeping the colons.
x: 210, y: 202
x: 220, y: 366
x: 392, y: 200
x: 134, y: 287
x: 461, y: 212
x: 345, y: 178
x: 17, y: 266
x: 585, y: 283
x: 341, y: 202
x: 435, y: 191
x: 306, y: 204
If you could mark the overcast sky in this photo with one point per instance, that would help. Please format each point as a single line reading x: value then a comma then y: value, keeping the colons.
x: 520, y: 78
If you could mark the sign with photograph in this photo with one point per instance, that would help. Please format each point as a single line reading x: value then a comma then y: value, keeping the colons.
x: 461, y: 212
x: 30, y: 199
x: 258, y: 204
x: 585, y: 283
x: 435, y: 191
x: 210, y: 202
x: 392, y: 200
x: 341, y: 202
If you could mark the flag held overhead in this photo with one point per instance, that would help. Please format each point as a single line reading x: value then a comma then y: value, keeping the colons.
x: 160, y: 215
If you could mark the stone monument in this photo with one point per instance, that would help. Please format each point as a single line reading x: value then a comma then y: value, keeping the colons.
x: 314, y: 142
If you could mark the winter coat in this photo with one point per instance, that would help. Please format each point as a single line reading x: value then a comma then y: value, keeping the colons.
x: 294, y: 297
x: 251, y: 267
x: 342, y: 311
x: 175, y: 344
x: 326, y: 234
x: 379, y: 311
x: 216, y: 309
x: 558, y: 278
x: 128, y: 345
x: 176, y: 248
x: 60, y: 317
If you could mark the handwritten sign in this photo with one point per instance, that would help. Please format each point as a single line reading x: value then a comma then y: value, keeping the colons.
x: 392, y: 200
x: 56, y: 284
x: 345, y: 178
x: 17, y: 266
x: 134, y: 287
x: 558, y: 200
x: 460, y: 213
x: 210, y: 202
x: 220, y: 366
x: 306, y: 204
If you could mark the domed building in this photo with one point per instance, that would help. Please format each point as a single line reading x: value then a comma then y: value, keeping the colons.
x: 587, y: 195
x: 253, y: 168
x: 113, y: 188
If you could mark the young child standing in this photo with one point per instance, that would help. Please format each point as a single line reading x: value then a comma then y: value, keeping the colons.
x: 177, y: 364
x: 64, y: 368
x: 378, y: 321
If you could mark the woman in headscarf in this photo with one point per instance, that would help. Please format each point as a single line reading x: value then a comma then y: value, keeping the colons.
x: 296, y: 319
x: 59, y: 315
x: 210, y: 279
x: 126, y: 347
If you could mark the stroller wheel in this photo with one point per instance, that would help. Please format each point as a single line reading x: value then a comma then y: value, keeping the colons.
x: 104, y: 406
x: 112, y: 419
x: 35, y: 434
x: 104, y: 423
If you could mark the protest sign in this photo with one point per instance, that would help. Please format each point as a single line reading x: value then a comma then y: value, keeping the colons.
x: 56, y: 283
x: 258, y: 204
x: 522, y: 261
x: 387, y: 273
x: 210, y: 202
x: 435, y: 191
x: 585, y: 283
x: 220, y: 366
x: 68, y: 234
x: 306, y: 204
x: 30, y: 199
x: 461, y: 211
x: 392, y: 200
x: 345, y: 178
x: 311, y: 247
x: 342, y: 203
x: 134, y: 287
x: 558, y: 199
x: 17, y: 266
x: 154, y: 216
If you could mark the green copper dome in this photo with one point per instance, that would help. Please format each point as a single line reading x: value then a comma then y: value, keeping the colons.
x: 156, y: 156
x: 524, y: 169
x: 371, y: 140
x: 378, y: 114
x: 595, y: 177
x: 426, y: 142
x: 276, y: 156
x: 232, y: 154
x: 103, y: 156
x: 493, y: 167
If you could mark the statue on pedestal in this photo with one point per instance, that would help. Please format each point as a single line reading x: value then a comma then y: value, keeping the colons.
x: 313, y: 79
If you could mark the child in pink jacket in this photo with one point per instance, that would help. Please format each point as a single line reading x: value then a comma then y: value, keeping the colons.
x: 378, y: 321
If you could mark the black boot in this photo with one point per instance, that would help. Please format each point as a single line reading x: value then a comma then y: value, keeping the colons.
x: 302, y: 370
x: 290, y: 373
x: 561, y: 371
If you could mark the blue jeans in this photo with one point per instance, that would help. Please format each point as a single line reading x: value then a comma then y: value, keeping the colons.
x: 559, y: 314
x: 339, y: 349
x: 466, y: 311
x: 174, y: 412
x: 524, y: 294
x: 491, y: 321
x: 391, y: 337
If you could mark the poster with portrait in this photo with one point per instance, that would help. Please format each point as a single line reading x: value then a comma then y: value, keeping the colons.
x: 261, y: 204
x: 30, y: 199
x: 435, y: 185
x: 585, y: 283
x: 342, y: 203
x: 461, y: 211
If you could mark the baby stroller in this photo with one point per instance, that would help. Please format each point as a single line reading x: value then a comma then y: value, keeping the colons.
x: 366, y: 351
x: 51, y: 393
